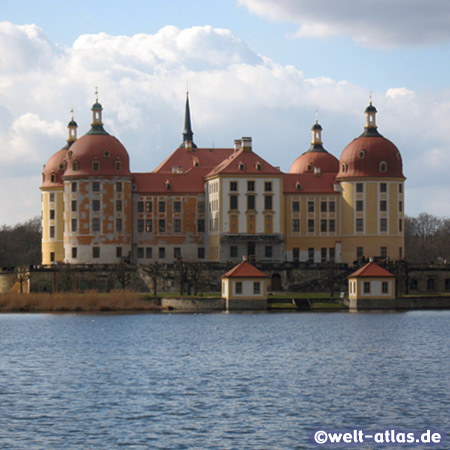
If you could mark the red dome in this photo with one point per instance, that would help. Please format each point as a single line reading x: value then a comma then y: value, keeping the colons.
x: 54, y: 169
x: 97, y: 154
x: 306, y: 162
x: 370, y: 156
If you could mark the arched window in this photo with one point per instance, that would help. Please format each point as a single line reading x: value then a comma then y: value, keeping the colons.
x: 362, y: 154
x: 344, y: 167
x: 95, y: 166
x: 383, y: 166
x: 75, y: 166
x: 298, y: 186
x: 117, y: 166
x: 241, y: 166
x: 53, y: 178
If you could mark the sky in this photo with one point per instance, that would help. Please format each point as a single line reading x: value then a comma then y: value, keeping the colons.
x: 259, y: 68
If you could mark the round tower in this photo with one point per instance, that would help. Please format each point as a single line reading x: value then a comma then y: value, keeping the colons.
x: 372, y: 183
x: 97, y: 197
x: 52, y: 200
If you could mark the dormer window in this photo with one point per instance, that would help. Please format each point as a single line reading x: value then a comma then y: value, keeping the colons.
x: 117, y: 166
x: 62, y: 166
x: 69, y: 154
x: 258, y: 166
x: 310, y: 167
x: 344, y: 168
x: 298, y: 186
x: 95, y: 166
x: 362, y: 154
x: 106, y: 154
x: 383, y: 167
x: 241, y: 166
x: 168, y: 185
x: 53, y: 178
x: 75, y: 166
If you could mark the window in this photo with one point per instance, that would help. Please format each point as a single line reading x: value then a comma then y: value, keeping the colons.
x: 383, y: 224
x: 310, y: 206
x: 119, y: 187
x: 52, y: 197
x: 52, y: 232
x: 400, y: 206
x: 311, y: 254
x: 268, y: 251
x: 162, y: 206
x: 74, y: 252
x: 238, y: 287
x: 117, y: 166
x: 296, y: 254
x: 148, y: 253
x: 359, y: 252
x: 162, y: 252
x: 177, y: 252
x: 177, y: 226
x: 140, y: 252
x: 366, y: 287
x: 323, y: 254
x: 385, y: 287
x: 75, y: 166
x: 332, y: 251
x: 250, y: 202
x: 332, y: 225
x: 233, y: 251
x: 140, y: 207
x: 431, y: 284
x: 362, y: 154
x: 400, y: 225
x: 201, y: 225
x: 383, y: 205
x: 295, y: 225
x: 332, y: 207
x: 359, y: 205
x: 95, y: 166
x: 267, y: 202
x: 52, y: 256
x: 256, y: 287
x: 74, y: 186
x: 201, y: 207
x: 268, y: 186
x: 344, y: 168
x: 177, y: 206
x: 148, y: 226
x: 95, y: 205
x: 383, y: 252
x: 118, y: 205
x: 295, y: 206
x: 119, y: 225
x: 95, y: 186
x: 311, y: 225
x: 383, y: 167
x: 400, y: 188
x: 52, y: 214
x: 233, y: 202
x: 359, y: 225
x: 95, y: 224
x: 359, y: 187
x: 323, y: 206
x: 383, y: 187
x: 96, y: 252
x: 233, y: 186
x: 414, y: 284
x: 323, y: 225
x: 250, y: 186
x: 201, y: 253
x: 149, y: 206
x: 140, y: 225
x: 74, y: 225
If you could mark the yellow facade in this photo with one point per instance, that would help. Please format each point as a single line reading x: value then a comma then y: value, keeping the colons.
x: 52, y: 225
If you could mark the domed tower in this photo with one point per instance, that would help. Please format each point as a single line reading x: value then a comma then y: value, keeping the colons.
x: 97, y: 197
x: 52, y: 201
x: 315, y: 160
x: 372, y: 183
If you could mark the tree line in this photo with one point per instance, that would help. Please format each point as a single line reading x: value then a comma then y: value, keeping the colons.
x: 427, y: 240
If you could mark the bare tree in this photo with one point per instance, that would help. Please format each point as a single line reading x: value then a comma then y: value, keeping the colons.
x: 154, y: 271
x: 23, y: 275
x: 123, y: 274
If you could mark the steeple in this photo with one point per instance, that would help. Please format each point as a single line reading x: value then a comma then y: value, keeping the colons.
x: 371, y: 124
x: 316, y: 143
x: 72, y: 127
x: 188, y: 135
x: 97, y: 124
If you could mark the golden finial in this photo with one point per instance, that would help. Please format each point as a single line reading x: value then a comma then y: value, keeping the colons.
x: 317, y: 116
x: 71, y: 112
x: 96, y: 94
x: 370, y: 98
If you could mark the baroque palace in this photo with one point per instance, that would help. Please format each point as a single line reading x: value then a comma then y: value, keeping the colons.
x: 220, y: 204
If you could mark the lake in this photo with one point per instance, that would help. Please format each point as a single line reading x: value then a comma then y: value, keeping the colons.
x: 219, y: 381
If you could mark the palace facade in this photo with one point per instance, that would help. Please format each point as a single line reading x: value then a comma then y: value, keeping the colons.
x: 220, y: 204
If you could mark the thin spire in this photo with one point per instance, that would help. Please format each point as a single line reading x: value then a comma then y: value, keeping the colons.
x: 188, y: 135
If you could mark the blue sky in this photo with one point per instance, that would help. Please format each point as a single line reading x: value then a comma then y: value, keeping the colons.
x: 255, y: 67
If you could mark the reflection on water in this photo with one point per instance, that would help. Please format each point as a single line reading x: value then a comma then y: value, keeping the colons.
x: 218, y: 381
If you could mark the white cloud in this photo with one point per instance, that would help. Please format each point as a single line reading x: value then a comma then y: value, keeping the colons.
x: 234, y: 92
x: 381, y: 23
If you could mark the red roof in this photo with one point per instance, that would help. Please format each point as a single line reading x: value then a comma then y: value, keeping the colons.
x: 371, y: 269
x: 309, y: 183
x: 364, y: 155
x: 168, y: 183
x: 251, y: 164
x: 199, y: 157
x: 308, y: 161
x: 245, y: 270
x: 55, y: 166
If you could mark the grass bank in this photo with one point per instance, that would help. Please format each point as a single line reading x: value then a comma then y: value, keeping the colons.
x: 120, y: 301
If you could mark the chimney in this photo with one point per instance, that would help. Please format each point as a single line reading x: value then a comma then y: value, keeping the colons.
x: 237, y: 145
x: 246, y: 144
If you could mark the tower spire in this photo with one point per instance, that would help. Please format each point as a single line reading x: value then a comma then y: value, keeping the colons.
x: 188, y: 134
x: 371, y: 124
x: 72, y: 127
